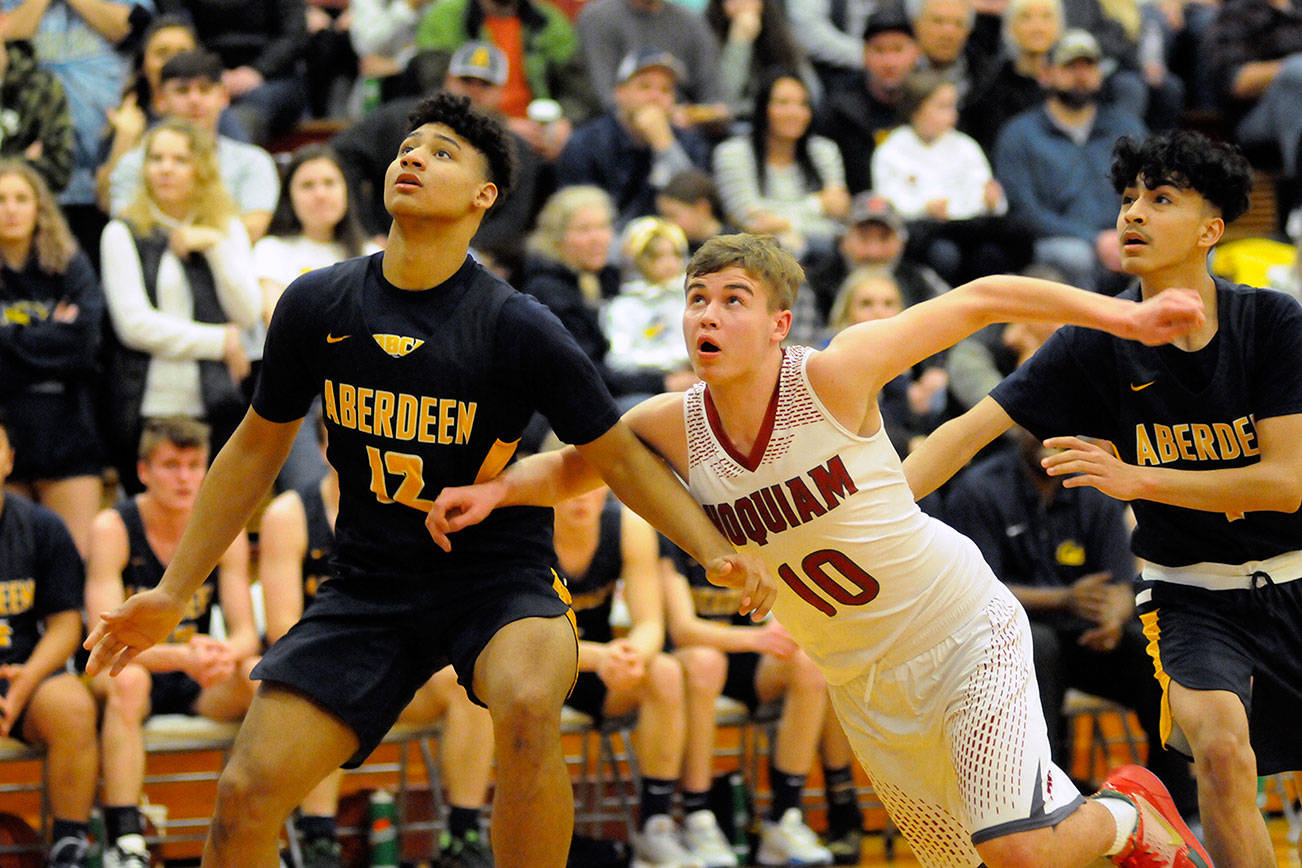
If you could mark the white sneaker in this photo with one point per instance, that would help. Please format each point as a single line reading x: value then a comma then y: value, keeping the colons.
x: 658, y: 846
x: 790, y: 842
x: 704, y: 839
x: 129, y: 851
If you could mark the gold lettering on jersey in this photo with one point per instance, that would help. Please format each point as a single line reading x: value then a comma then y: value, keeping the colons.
x: 364, y: 396
x: 397, y: 345
x: 778, y: 507
x: 1194, y: 442
x: 441, y: 421
x: 6, y: 634
x: 17, y: 596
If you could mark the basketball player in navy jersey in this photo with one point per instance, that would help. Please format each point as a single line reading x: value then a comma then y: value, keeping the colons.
x: 429, y: 368
x: 41, y: 583
x: 296, y: 544
x: 1206, y: 433
x: 927, y: 655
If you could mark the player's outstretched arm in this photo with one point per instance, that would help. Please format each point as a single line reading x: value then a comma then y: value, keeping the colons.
x: 865, y: 356
x: 646, y: 485
x: 236, y: 482
x: 951, y: 446
x: 1274, y: 483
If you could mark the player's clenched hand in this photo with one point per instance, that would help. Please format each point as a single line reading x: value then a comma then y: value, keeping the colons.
x: 145, y: 619
x: 211, y: 660
x: 746, y: 572
x: 1091, y: 465
x: 460, y: 507
x: 1164, y: 317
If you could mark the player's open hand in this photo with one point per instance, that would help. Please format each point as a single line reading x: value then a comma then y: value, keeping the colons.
x: 1165, y: 317
x: 460, y: 507
x: 1083, y: 462
x: 746, y: 572
x: 145, y: 619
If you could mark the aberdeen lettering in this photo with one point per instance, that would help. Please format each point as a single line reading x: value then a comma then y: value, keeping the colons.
x: 399, y: 416
x: 778, y: 507
x: 1220, y: 441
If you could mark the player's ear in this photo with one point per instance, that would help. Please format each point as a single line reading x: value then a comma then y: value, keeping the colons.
x: 486, y: 195
x: 781, y: 325
x: 1211, y: 233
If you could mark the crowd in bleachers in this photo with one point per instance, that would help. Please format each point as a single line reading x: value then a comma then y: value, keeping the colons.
x: 147, y: 230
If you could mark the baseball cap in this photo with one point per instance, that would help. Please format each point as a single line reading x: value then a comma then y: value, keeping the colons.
x: 1075, y: 44
x: 888, y: 18
x: 636, y: 61
x: 479, y: 60
x: 869, y: 207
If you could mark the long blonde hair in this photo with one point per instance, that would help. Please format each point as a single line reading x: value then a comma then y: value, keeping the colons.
x: 211, y: 204
x: 556, y: 214
x: 52, y: 240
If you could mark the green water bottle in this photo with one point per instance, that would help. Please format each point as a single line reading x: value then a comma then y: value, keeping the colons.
x: 95, y: 855
x: 740, y: 817
x: 383, y: 834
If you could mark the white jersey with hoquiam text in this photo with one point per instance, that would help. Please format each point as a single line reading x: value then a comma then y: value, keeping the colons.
x: 864, y: 575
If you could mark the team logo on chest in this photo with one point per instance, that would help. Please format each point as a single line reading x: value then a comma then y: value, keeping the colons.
x: 397, y: 345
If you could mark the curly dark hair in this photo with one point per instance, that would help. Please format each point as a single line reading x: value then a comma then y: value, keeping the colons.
x: 481, y: 130
x: 1186, y: 160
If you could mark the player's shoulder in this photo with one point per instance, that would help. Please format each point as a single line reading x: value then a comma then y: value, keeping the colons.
x: 324, y: 288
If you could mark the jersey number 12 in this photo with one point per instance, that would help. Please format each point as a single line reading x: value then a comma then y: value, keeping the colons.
x: 814, y: 566
x: 412, y: 470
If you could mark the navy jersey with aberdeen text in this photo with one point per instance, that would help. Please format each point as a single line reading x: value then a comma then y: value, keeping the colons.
x: 41, y: 574
x: 422, y: 390
x: 1162, y: 406
x: 144, y: 571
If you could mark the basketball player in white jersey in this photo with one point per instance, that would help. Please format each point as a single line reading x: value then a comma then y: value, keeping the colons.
x: 927, y: 654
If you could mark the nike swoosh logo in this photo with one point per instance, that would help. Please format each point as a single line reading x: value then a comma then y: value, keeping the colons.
x: 331, y: 339
x: 1135, y: 388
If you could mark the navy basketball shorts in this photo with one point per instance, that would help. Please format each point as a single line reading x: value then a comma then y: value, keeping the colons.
x: 739, y: 684
x: 1245, y: 641
x: 369, y: 642
x: 172, y: 693
x: 589, y: 696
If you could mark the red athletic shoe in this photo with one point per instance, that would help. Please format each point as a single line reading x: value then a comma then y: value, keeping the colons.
x: 1161, y: 839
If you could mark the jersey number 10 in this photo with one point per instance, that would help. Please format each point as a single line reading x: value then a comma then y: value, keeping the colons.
x: 814, y: 566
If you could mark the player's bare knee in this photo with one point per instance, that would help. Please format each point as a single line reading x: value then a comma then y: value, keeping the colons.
x: 704, y: 670
x: 74, y: 712
x: 664, y: 679
x: 245, y: 798
x: 805, y: 675
x: 128, y: 694
x: 1223, y: 759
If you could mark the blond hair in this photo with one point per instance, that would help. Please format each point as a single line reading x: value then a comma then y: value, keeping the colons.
x: 211, y: 204
x: 641, y: 233
x: 52, y: 240
x: 556, y: 214
x: 760, y: 256
x: 839, y: 316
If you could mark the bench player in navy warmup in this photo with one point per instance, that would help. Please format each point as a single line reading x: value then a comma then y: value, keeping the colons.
x: 1206, y: 434
x: 429, y: 368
